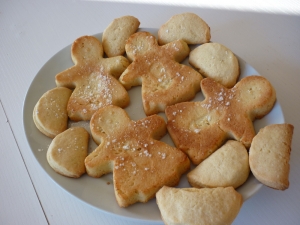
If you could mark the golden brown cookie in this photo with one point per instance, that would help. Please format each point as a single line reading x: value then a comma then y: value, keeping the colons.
x: 164, y: 80
x: 93, y: 78
x: 200, y: 128
x: 140, y: 163
x: 269, y: 155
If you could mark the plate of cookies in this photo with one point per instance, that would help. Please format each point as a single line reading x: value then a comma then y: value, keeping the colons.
x: 141, y: 122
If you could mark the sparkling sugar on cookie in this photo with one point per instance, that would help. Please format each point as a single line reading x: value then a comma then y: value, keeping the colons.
x: 140, y: 163
x: 164, y: 80
x: 93, y: 78
x: 199, y: 128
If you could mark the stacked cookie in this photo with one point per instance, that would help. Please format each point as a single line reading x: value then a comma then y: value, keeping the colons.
x: 216, y: 134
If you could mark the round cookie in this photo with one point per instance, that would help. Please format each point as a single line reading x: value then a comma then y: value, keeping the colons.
x: 228, y: 166
x: 115, y: 35
x: 188, y: 27
x: 216, y: 61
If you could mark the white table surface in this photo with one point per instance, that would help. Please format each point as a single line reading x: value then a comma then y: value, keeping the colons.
x: 33, y: 31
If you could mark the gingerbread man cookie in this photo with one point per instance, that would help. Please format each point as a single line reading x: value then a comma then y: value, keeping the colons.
x: 199, y: 128
x: 164, y: 80
x: 93, y: 78
x: 140, y: 163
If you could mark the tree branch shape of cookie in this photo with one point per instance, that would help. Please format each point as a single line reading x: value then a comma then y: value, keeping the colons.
x: 164, y: 80
x: 93, y: 78
x: 140, y: 163
x: 199, y: 128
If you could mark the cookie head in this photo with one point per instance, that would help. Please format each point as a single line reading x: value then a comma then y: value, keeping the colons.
x: 86, y: 49
x: 140, y: 163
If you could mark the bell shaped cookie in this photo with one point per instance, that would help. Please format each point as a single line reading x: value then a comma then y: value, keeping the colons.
x: 199, y: 128
x: 50, y: 114
x: 141, y: 164
x: 164, y: 80
x: 67, y: 152
x: 93, y: 78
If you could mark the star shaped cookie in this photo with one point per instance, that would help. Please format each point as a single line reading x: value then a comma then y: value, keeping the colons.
x: 199, y: 128
x: 93, y: 78
x: 164, y: 80
x: 140, y: 163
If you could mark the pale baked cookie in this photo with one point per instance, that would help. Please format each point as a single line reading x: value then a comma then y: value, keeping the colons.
x: 227, y: 166
x: 140, y: 163
x: 193, y: 206
x: 93, y: 78
x: 50, y: 112
x: 216, y: 61
x: 188, y: 27
x: 115, y: 35
x: 200, y: 128
x: 67, y: 152
x: 269, y: 155
x: 164, y: 80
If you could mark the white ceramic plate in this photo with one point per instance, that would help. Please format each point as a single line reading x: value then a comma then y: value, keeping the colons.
x: 98, y: 192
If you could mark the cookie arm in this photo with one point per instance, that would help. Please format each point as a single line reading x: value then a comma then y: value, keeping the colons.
x: 67, y: 78
x: 131, y: 77
x: 178, y: 50
x: 116, y: 65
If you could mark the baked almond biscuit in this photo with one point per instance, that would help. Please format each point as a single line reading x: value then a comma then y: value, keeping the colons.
x: 140, y: 163
x: 67, y: 152
x: 115, y: 35
x: 200, y: 128
x: 269, y: 155
x: 164, y: 80
x: 193, y: 206
x: 227, y: 166
x: 188, y: 27
x: 93, y: 78
x: 216, y: 61
x: 50, y: 112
